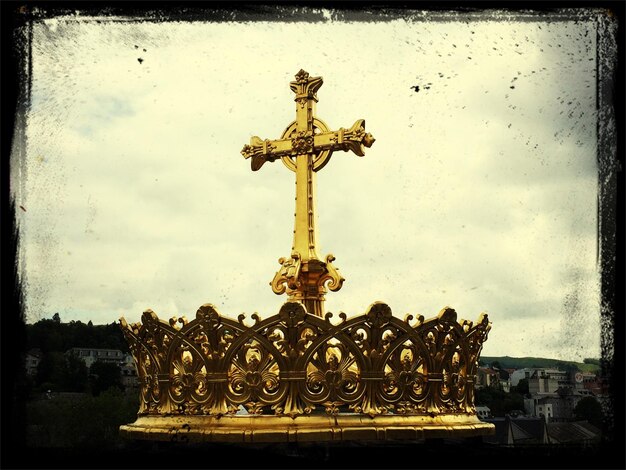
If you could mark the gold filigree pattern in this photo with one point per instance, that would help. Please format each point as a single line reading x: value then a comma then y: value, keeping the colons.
x: 291, y: 362
x: 253, y: 378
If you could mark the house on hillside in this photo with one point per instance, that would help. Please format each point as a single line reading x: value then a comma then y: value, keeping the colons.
x: 32, y: 360
x: 487, y: 377
x: 126, y: 363
x: 91, y: 355
x: 130, y: 380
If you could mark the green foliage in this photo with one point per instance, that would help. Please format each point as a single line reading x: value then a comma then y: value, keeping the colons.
x: 80, y: 421
x: 589, y: 360
x: 52, y: 370
x: 521, y: 387
x: 593, y: 368
x: 571, y: 367
x: 499, y: 402
x: 589, y: 409
x: 105, y: 376
x: 51, y: 335
x: 60, y: 372
x: 507, y: 362
x: 76, y: 374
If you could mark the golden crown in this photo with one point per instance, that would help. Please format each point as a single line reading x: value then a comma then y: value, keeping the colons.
x: 384, y: 376
x: 299, y: 375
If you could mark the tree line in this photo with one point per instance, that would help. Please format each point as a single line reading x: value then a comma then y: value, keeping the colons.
x: 506, y: 362
x: 52, y: 335
x: 59, y: 371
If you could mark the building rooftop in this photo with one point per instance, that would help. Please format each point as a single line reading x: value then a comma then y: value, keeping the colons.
x: 568, y: 432
x: 517, y: 430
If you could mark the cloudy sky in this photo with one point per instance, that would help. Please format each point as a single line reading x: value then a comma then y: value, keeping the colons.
x: 479, y: 193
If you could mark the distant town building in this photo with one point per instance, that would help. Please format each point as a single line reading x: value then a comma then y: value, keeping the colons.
x: 483, y: 412
x: 32, y: 360
x: 128, y: 360
x: 561, y: 404
x: 91, y: 355
x: 544, y: 410
x: 506, y: 384
x: 589, y: 381
x: 520, y: 374
x: 546, y: 381
x: 487, y: 377
x: 130, y: 380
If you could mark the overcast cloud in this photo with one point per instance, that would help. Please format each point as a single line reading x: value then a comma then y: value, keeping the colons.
x: 479, y: 192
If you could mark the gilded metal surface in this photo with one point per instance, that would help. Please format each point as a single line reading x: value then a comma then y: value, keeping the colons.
x: 297, y: 365
x: 299, y: 375
x: 313, y: 428
x: 305, y: 148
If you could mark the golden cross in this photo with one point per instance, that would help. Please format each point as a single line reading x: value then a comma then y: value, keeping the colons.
x: 305, y: 148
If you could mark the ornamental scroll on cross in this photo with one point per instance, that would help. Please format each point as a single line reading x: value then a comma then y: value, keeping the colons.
x: 305, y: 148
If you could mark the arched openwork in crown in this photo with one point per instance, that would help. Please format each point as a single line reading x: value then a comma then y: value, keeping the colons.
x: 295, y: 363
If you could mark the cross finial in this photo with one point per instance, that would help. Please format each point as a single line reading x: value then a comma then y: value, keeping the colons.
x: 302, y: 76
x: 305, y: 148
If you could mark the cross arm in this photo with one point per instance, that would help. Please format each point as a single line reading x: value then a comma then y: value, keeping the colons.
x: 345, y: 139
x: 262, y: 151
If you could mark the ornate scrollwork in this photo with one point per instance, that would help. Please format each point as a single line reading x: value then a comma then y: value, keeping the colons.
x: 405, y: 383
x: 332, y: 377
x: 188, y: 380
x: 288, y: 274
x: 353, y: 139
x: 253, y: 378
x: 292, y: 335
x: 332, y: 278
x: 260, y: 151
x: 289, y: 363
x: 302, y: 143
x: 211, y: 336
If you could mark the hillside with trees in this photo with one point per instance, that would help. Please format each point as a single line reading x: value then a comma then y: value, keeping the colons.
x: 52, y: 335
x: 507, y: 362
x: 58, y: 371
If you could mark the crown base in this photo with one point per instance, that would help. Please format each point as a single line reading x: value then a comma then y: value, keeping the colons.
x: 309, y: 428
